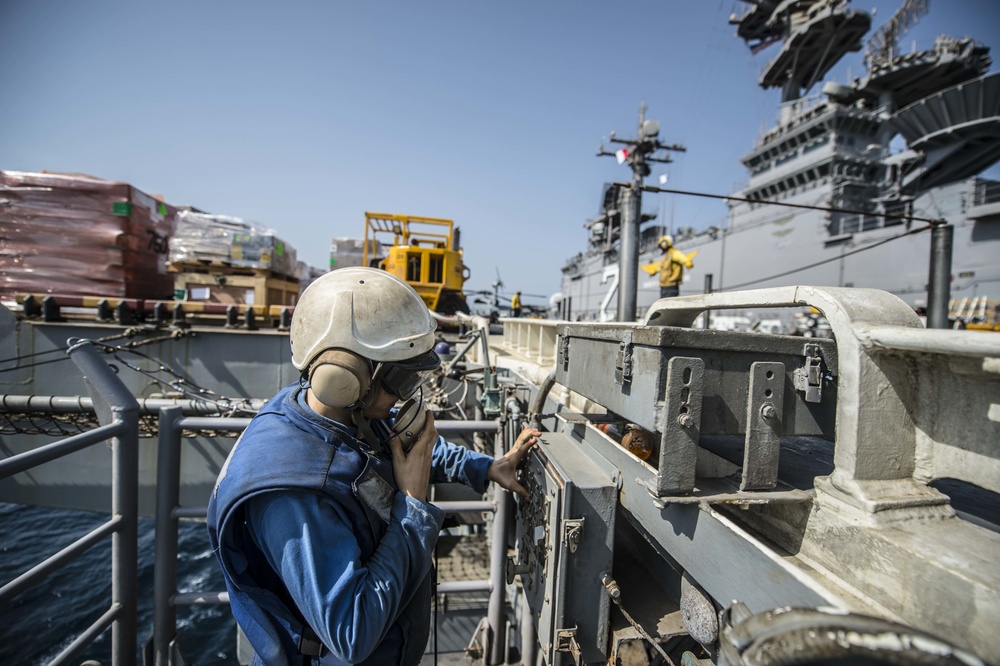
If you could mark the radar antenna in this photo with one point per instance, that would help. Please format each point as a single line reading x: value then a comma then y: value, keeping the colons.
x: 883, y: 44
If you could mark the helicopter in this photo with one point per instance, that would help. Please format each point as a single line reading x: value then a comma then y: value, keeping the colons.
x: 500, y: 305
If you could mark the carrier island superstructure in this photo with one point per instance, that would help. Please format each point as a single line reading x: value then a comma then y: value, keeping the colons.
x: 833, y: 151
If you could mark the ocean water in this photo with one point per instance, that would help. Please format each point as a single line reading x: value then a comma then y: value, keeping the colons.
x: 39, y: 623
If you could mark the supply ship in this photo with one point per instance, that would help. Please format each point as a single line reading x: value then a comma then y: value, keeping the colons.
x: 863, y: 203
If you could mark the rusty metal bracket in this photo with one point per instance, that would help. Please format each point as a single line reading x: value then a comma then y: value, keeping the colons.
x: 765, y: 401
x: 563, y: 352
x: 710, y: 492
x: 623, y: 362
x: 680, y: 426
x: 572, y: 533
x: 809, y: 378
x: 566, y: 642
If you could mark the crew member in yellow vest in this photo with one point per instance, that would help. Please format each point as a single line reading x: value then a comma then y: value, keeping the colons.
x: 672, y: 268
x: 515, y: 305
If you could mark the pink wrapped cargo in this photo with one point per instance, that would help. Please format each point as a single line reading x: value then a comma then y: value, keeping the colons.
x: 79, y: 235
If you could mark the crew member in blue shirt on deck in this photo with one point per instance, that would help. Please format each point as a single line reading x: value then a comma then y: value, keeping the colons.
x: 319, y: 518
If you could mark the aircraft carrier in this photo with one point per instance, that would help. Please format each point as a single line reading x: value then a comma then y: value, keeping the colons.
x: 855, y: 207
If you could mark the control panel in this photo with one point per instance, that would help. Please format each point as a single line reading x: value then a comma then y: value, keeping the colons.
x: 563, y: 544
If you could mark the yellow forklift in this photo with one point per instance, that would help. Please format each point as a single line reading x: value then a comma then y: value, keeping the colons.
x: 425, y: 252
x: 976, y: 313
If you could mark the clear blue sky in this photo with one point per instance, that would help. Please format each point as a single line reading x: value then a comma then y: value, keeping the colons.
x: 302, y: 116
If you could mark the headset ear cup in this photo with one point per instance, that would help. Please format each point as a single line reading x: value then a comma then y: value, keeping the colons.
x: 339, y: 378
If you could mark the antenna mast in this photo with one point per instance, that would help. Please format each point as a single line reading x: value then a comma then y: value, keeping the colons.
x: 637, y: 153
x: 883, y: 44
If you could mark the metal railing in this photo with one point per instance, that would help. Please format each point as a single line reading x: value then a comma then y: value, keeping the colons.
x: 163, y: 649
x: 845, y: 223
x: 164, y: 644
x: 118, y: 413
x: 535, y: 339
x: 986, y: 192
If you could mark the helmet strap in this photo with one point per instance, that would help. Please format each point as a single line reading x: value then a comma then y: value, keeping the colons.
x: 367, y: 431
x: 372, y: 391
x: 364, y: 425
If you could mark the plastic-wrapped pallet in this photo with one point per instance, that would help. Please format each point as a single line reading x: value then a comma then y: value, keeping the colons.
x: 226, y: 241
x: 307, y: 274
x: 76, y: 235
x: 346, y: 252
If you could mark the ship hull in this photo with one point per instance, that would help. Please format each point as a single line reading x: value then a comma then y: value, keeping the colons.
x: 763, y: 248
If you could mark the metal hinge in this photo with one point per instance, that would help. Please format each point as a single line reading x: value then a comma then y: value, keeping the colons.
x: 809, y: 378
x: 566, y: 642
x: 564, y: 351
x: 572, y: 533
x: 623, y: 362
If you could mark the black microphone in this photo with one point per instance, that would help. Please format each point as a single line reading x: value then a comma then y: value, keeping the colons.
x: 410, y: 422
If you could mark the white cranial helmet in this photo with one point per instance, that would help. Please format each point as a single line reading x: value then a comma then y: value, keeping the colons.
x: 366, y: 311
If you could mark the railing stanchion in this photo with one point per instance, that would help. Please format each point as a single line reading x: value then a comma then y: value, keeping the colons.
x: 168, y: 462
x: 115, y: 405
x: 495, y: 613
x: 124, y: 543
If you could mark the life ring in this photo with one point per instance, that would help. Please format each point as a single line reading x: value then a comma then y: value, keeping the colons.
x: 466, y: 272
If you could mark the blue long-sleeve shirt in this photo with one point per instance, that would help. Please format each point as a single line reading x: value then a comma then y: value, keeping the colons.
x: 351, y: 603
x: 308, y: 525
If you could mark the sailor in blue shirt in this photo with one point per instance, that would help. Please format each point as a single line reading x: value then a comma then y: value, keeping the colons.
x: 320, y: 518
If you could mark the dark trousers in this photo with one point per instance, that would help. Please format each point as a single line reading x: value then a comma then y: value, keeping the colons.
x: 670, y: 292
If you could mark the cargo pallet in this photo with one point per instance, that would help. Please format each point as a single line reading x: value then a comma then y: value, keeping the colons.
x: 233, y: 285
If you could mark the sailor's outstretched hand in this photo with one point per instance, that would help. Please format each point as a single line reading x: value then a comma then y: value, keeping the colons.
x: 503, y: 471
